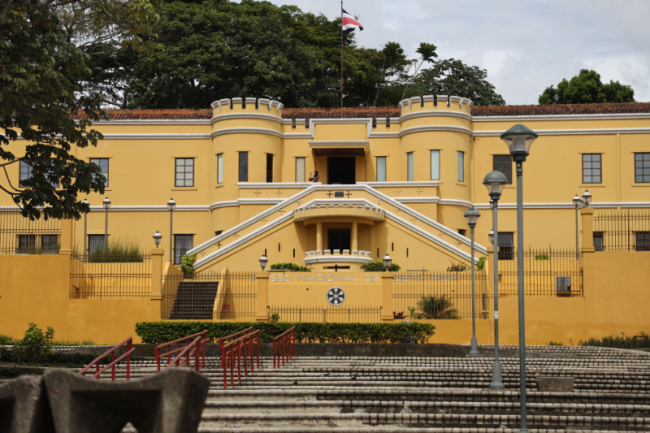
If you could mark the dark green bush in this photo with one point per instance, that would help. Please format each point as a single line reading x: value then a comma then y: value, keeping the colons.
x: 457, y: 267
x: 161, y: 332
x: 641, y: 341
x: 379, y: 267
x: 36, y: 346
x: 187, y: 265
x: 291, y: 267
x: 437, y: 308
x: 481, y: 263
x: 7, y: 340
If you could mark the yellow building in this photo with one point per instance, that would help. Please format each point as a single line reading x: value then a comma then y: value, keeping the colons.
x: 390, y: 181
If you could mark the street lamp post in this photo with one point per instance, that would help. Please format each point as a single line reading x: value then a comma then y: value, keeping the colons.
x: 157, y: 237
x: 387, y: 261
x: 107, y: 206
x: 580, y: 203
x: 171, y: 205
x: 263, y: 262
x: 85, y: 227
x: 495, y: 181
x: 519, y: 139
x: 472, y: 215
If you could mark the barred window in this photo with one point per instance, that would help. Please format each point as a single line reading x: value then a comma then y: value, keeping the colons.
x: 50, y: 243
x: 25, y: 172
x: 506, y: 246
x: 182, y: 244
x: 503, y: 163
x: 642, y: 241
x: 95, y: 244
x: 103, y: 164
x: 599, y: 241
x: 184, y: 172
x: 642, y: 167
x: 26, y: 244
x: 591, y: 168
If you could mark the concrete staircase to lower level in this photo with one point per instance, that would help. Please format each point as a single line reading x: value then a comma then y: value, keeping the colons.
x: 194, y: 300
x: 399, y: 394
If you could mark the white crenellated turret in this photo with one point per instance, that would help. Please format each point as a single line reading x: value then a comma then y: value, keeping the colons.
x: 252, y: 105
x: 437, y: 102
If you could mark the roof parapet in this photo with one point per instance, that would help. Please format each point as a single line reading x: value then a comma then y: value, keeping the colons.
x: 435, y: 102
x: 247, y: 105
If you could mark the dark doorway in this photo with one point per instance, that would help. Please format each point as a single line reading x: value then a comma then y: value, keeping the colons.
x: 338, y: 239
x: 340, y: 170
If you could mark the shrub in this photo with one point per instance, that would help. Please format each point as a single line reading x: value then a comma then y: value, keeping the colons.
x: 437, y: 308
x: 275, y: 317
x: 36, y: 346
x: 542, y: 257
x: 481, y: 263
x: 553, y: 343
x: 187, y: 265
x: 641, y: 341
x: 117, y: 251
x: 6, y: 340
x: 413, y: 314
x: 291, y: 267
x: 458, y: 267
x: 160, y: 332
x: 379, y: 267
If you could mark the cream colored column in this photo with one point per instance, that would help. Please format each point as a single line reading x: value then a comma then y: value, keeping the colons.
x: 319, y: 236
x: 261, y: 315
x: 156, y: 274
x: 355, y: 244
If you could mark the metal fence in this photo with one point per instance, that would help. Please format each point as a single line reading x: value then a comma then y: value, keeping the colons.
x: 220, y: 295
x: 297, y: 313
x: 440, y: 295
x: 110, y: 277
x: 627, y: 230
x: 547, y: 273
x: 19, y: 235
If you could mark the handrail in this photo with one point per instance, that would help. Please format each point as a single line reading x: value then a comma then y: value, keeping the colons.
x: 180, y: 348
x: 222, y: 340
x: 129, y: 349
x: 228, y: 354
x: 195, y: 347
x: 284, y: 347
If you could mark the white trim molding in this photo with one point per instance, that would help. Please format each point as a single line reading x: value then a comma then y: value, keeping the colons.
x: 400, y: 184
x: 586, y: 131
x: 426, y: 128
x: 156, y: 136
x: 275, y: 185
x: 436, y: 113
x: 245, y: 130
x: 150, y: 209
x: 335, y: 259
x: 246, y: 115
x: 530, y: 118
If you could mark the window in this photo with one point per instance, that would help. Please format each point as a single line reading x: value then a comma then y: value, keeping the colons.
x: 462, y: 232
x: 381, y: 169
x: 599, y: 244
x: 220, y: 168
x: 409, y: 157
x: 95, y: 244
x: 461, y: 166
x: 269, y: 167
x: 25, y: 172
x: 642, y: 241
x: 182, y: 244
x: 50, y: 243
x: 26, y: 244
x: 243, y: 166
x: 642, y: 167
x: 184, y: 172
x: 591, y: 168
x: 435, y: 165
x: 503, y: 163
x: 506, y: 246
x: 103, y: 164
x: 218, y: 232
x: 300, y: 169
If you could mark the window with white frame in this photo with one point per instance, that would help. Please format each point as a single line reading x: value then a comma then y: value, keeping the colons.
x: 25, y: 172
x: 300, y: 169
x: 435, y: 165
x: 103, y: 164
x: 409, y: 161
x: 182, y: 244
x: 220, y: 168
x: 184, y: 172
x: 592, y: 168
x: 461, y: 166
x: 381, y: 169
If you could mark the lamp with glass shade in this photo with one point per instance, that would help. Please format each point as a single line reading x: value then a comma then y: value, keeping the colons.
x: 472, y: 215
x: 263, y: 262
x: 387, y: 261
x: 157, y: 237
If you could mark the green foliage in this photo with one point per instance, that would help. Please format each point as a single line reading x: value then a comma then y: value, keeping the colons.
x: 160, y: 332
x: 291, y: 267
x: 542, y: 257
x: 119, y: 250
x: 457, y: 267
x: 5, y: 340
x: 586, y: 88
x: 275, y: 317
x: 641, y: 341
x: 36, y: 345
x: 437, y: 308
x: 187, y: 265
x: 413, y: 314
x: 453, y: 77
x: 40, y: 88
x: 481, y: 263
x: 379, y: 267
x: 74, y: 343
x: 14, y: 372
x: 553, y: 343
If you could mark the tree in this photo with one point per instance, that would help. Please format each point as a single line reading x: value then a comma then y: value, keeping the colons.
x: 453, y: 77
x: 40, y: 75
x: 586, y: 88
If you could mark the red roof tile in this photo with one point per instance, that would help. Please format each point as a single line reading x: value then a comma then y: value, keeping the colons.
x: 335, y: 113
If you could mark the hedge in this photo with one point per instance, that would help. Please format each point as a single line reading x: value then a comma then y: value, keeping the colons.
x: 161, y: 332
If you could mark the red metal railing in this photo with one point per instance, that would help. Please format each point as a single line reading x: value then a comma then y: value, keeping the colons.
x: 194, y: 348
x: 96, y: 362
x: 182, y: 344
x: 234, y: 349
x: 284, y: 347
x: 231, y: 337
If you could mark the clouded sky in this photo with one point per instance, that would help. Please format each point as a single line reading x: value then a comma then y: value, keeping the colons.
x: 525, y: 45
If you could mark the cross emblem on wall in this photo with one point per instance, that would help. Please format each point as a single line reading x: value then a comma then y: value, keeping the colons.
x: 419, y: 191
x: 279, y: 193
x: 329, y: 194
x: 348, y: 194
x: 257, y: 193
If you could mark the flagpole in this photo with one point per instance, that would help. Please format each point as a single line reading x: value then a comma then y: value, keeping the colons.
x: 341, y: 59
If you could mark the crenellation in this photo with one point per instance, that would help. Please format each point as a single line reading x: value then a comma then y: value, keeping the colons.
x: 251, y: 103
x: 263, y: 104
x: 248, y: 104
x: 443, y: 101
x: 454, y: 101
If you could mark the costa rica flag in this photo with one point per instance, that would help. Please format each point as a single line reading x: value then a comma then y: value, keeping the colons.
x: 349, y: 23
